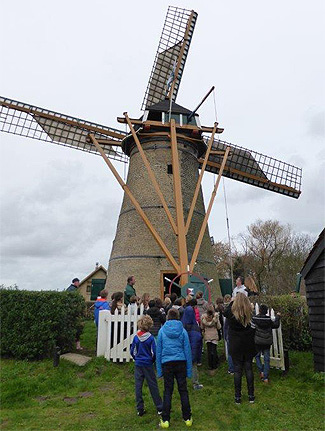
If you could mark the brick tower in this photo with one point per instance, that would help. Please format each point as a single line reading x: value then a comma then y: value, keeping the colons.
x: 134, y: 251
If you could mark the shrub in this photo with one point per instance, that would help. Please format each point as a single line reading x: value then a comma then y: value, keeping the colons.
x: 90, y: 310
x: 32, y: 323
x: 294, y: 319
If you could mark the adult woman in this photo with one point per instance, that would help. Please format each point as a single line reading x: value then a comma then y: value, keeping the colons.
x: 241, y: 343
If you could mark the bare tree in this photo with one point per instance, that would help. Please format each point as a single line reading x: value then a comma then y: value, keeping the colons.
x: 273, y: 254
x: 221, y: 254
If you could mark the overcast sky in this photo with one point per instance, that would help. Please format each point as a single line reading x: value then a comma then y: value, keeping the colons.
x: 92, y: 60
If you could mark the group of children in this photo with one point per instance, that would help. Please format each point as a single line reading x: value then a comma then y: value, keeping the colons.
x: 171, y: 334
x: 177, y: 353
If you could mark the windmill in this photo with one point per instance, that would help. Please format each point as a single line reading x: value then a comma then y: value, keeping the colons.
x: 162, y: 227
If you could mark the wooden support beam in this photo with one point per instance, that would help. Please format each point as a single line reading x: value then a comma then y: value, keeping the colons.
x: 137, y: 206
x: 110, y: 142
x: 166, y: 125
x: 199, y: 181
x: 207, y: 215
x: 151, y: 174
x: 181, y: 237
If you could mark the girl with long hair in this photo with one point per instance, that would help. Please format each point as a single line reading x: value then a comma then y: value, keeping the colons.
x: 241, y: 343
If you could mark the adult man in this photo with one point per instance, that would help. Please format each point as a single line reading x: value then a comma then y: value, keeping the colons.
x: 74, y: 288
x: 129, y: 290
x: 74, y: 285
x: 240, y: 287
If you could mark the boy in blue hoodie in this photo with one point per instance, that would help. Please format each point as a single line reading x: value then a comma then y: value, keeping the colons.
x: 174, y: 360
x: 101, y: 304
x: 143, y: 351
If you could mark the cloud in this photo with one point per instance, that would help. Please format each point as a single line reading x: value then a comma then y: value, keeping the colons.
x: 316, y: 124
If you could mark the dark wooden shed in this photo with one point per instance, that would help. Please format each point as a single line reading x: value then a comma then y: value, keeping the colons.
x: 313, y: 272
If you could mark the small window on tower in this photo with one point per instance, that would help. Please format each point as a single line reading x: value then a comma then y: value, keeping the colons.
x: 170, y: 169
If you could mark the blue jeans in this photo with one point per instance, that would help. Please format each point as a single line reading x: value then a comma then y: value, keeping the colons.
x: 231, y: 368
x: 265, y: 369
x: 148, y: 373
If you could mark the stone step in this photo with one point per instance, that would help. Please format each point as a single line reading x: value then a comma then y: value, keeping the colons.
x: 76, y: 358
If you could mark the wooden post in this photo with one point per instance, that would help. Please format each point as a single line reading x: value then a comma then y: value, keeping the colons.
x: 137, y: 206
x: 198, y: 185
x: 151, y: 174
x: 181, y: 237
x: 206, y: 217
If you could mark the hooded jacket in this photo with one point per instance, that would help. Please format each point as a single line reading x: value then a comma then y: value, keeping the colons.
x: 143, y: 349
x: 263, y: 329
x: 210, y: 328
x: 194, y: 333
x: 100, y: 304
x: 173, y: 345
x: 158, y: 318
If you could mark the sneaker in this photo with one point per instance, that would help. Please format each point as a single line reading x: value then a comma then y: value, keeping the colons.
x: 266, y: 381
x: 262, y: 376
x: 164, y: 424
x: 237, y: 400
x: 159, y: 412
x: 141, y: 412
x: 198, y: 386
x: 189, y: 422
x: 231, y: 372
x: 251, y: 399
x: 199, y: 364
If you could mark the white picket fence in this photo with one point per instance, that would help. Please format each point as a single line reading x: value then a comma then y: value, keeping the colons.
x: 276, y: 350
x: 116, y: 333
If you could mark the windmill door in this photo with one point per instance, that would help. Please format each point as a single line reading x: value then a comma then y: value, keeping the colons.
x: 96, y: 286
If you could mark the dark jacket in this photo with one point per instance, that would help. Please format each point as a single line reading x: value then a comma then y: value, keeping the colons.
x: 263, y: 329
x: 72, y: 288
x: 143, y: 349
x: 194, y: 333
x: 241, y: 338
x: 128, y: 292
x: 158, y: 318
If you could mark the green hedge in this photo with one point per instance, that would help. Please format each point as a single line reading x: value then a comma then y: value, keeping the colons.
x: 32, y: 323
x: 294, y: 320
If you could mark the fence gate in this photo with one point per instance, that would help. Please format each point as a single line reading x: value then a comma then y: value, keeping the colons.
x: 116, y: 333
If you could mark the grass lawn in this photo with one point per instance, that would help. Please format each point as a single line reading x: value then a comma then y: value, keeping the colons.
x: 100, y: 396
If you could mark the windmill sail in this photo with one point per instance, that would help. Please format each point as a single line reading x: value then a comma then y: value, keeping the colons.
x: 256, y: 169
x: 38, y: 123
x: 172, y: 52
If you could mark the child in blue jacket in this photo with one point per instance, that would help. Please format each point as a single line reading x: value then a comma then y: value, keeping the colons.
x: 101, y: 304
x: 195, y: 337
x: 143, y: 351
x: 174, y: 360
